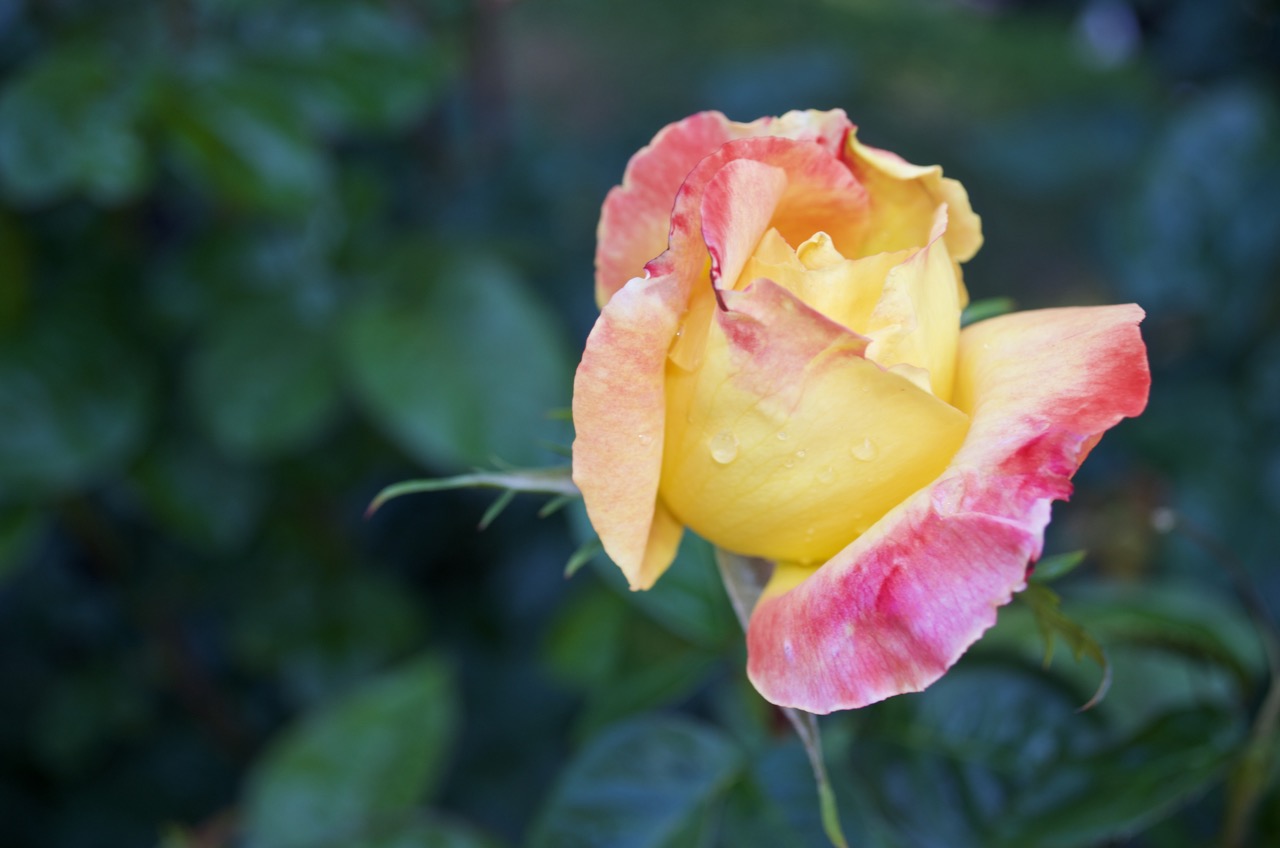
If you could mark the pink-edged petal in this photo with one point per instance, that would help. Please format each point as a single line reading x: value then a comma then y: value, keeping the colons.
x: 897, y: 607
x: 746, y: 186
x: 636, y: 218
x: 737, y: 207
x: 637, y: 214
x: 728, y: 202
x: 826, y: 129
x: 619, y: 406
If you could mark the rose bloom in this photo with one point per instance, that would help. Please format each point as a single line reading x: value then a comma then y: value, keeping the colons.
x: 778, y: 365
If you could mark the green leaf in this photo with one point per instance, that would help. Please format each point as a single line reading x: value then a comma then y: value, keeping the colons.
x: 777, y: 804
x: 460, y: 368
x: 966, y: 749
x: 357, y: 765
x: 1059, y: 565
x: 980, y: 310
x: 651, y: 685
x: 1045, y: 604
x: 348, y: 65
x: 1178, y: 619
x: 69, y: 123
x: 584, y: 645
x: 316, y: 631
x: 429, y: 832
x: 74, y: 400
x: 638, y: 785
x: 196, y: 494
x: 263, y: 383
x: 20, y: 528
x: 245, y: 143
x: 1126, y: 787
x: 689, y: 600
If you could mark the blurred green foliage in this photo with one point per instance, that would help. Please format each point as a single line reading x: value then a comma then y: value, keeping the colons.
x: 261, y: 258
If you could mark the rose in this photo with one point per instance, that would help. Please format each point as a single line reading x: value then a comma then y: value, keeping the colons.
x: 788, y: 378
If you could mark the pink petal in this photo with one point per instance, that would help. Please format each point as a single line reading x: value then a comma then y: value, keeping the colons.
x: 637, y: 214
x: 897, y: 607
x: 636, y: 218
x: 725, y: 205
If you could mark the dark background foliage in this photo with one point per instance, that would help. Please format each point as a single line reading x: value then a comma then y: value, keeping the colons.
x: 260, y: 259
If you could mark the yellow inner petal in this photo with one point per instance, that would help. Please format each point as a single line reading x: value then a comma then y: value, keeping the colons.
x: 800, y: 472
x: 796, y: 471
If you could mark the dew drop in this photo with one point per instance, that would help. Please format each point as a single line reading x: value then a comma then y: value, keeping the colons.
x: 724, y: 447
x: 790, y: 463
x: 827, y: 475
x: 800, y: 454
x: 645, y: 439
x: 782, y: 435
x: 864, y: 450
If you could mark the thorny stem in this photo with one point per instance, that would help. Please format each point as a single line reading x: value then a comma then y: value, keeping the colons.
x: 1247, y: 784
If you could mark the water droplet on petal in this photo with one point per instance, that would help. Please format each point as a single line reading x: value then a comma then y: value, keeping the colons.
x: 645, y: 439
x: 800, y: 454
x: 724, y: 447
x: 827, y: 475
x: 865, y: 450
x: 790, y: 463
x: 782, y: 435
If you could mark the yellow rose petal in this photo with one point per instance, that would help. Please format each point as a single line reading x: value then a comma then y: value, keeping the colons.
x: 787, y: 443
x: 917, y: 321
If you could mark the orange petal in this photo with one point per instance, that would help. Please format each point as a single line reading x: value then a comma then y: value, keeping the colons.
x: 618, y: 410
x: 897, y: 607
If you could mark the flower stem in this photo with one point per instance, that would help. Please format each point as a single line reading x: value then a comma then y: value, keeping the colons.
x: 744, y: 579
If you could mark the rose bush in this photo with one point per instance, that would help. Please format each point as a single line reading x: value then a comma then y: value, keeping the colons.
x: 778, y: 365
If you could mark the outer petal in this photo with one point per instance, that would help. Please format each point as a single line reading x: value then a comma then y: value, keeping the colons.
x: 618, y: 410
x: 637, y: 214
x: 897, y: 607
